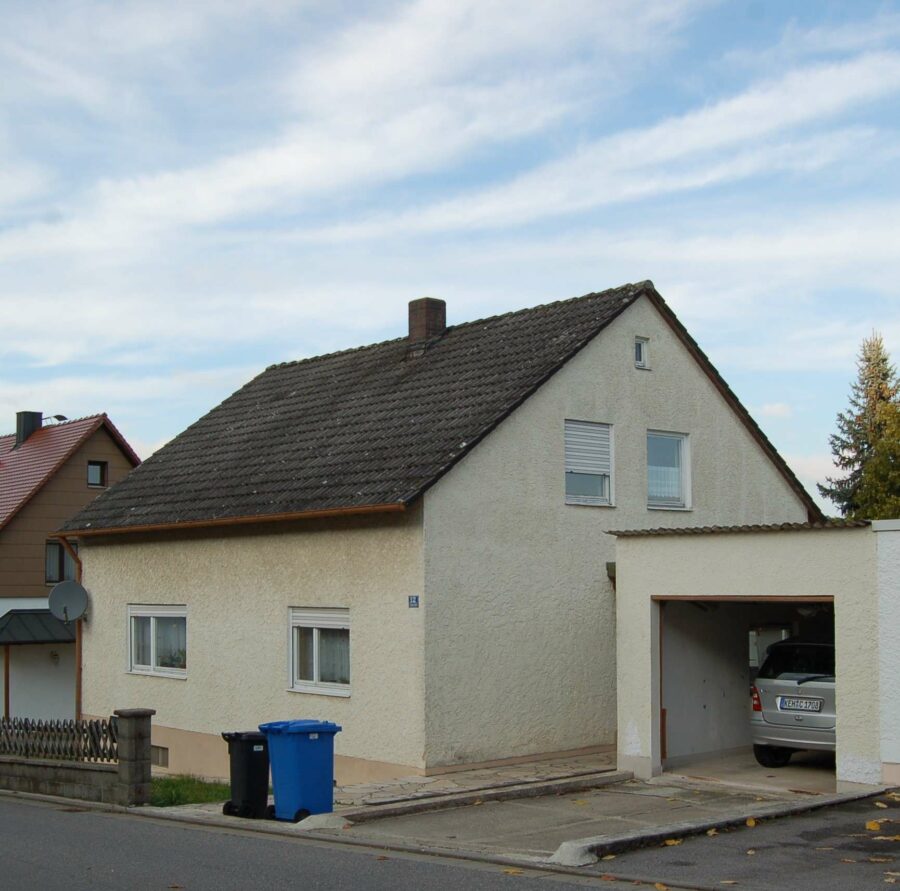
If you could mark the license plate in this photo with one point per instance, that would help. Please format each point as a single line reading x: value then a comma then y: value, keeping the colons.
x: 793, y: 704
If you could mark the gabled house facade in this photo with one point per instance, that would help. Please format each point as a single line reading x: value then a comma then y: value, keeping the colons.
x: 410, y: 538
x: 47, y: 473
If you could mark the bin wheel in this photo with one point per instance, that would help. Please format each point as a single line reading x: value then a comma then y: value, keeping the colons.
x: 245, y: 810
x: 229, y: 809
x: 270, y: 812
x: 302, y: 814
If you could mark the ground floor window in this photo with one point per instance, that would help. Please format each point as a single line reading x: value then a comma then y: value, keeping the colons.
x: 320, y: 650
x: 157, y: 640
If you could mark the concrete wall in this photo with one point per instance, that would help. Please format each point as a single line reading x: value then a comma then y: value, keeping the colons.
x: 41, y: 686
x: 888, y: 580
x: 705, y: 678
x: 238, y: 587
x: 520, y: 614
x: 825, y: 563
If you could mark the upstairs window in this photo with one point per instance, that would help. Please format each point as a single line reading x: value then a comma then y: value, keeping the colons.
x: 641, y: 359
x: 588, y: 463
x: 96, y: 474
x: 58, y: 565
x: 668, y: 470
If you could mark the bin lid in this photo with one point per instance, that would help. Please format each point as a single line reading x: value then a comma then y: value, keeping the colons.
x: 305, y: 725
x: 244, y: 735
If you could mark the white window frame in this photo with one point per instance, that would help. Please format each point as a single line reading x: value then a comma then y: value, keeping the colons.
x: 316, y: 618
x: 153, y: 612
x: 593, y: 500
x: 644, y: 361
x: 685, y: 441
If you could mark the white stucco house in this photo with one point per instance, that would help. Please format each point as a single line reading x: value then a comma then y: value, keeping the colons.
x: 410, y: 538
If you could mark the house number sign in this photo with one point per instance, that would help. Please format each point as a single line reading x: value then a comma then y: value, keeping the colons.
x: 414, y: 601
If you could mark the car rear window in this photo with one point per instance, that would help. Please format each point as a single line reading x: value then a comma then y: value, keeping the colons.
x: 798, y: 659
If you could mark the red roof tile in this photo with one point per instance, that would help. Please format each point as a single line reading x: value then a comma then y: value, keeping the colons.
x: 25, y: 470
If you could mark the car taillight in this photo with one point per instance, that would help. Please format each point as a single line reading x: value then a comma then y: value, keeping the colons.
x: 754, y: 698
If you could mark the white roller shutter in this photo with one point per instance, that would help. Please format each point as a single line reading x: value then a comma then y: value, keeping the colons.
x: 589, y: 451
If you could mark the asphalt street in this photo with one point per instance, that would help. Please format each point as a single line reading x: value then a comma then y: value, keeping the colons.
x: 51, y: 847
x: 825, y: 850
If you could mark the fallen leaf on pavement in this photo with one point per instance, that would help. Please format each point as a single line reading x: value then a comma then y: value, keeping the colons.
x: 847, y: 860
x: 881, y: 860
x: 477, y: 802
x: 887, y: 838
x: 381, y: 857
x: 581, y: 802
x: 891, y: 881
x: 750, y: 852
x: 661, y: 887
x: 608, y: 878
x: 751, y: 822
x: 671, y: 842
x: 880, y: 804
x: 712, y: 832
x: 513, y: 871
x: 873, y: 826
x: 608, y: 857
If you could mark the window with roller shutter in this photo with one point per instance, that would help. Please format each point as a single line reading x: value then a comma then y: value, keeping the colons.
x: 589, y: 478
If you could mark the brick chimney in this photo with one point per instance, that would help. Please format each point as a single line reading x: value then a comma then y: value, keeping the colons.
x: 26, y: 424
x: 427, y: 319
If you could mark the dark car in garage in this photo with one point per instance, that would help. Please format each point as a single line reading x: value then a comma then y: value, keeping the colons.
x: 793, y: 703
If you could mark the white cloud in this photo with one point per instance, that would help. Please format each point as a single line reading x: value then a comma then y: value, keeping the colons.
x: 776, y: 410
x: 715, y: 144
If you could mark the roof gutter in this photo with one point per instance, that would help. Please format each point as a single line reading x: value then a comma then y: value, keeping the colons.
x: 393, y: 507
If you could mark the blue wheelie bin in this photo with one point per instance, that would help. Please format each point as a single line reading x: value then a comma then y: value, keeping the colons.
x: 302, y: 758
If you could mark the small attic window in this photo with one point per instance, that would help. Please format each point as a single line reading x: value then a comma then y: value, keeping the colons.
x: 640, y: 352
x: 96, y: 474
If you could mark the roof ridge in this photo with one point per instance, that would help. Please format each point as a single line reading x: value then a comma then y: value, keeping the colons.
x: 65, y: 423
x: 634, y: 287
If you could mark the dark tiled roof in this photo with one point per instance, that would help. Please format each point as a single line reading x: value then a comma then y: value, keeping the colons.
x: 34, y: 626
x: 370, y: 428
x: 25, y: 470
x: 362, y: 427
x: 728, y: 530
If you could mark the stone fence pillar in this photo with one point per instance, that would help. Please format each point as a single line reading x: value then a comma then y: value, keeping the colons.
x: 134, y: 754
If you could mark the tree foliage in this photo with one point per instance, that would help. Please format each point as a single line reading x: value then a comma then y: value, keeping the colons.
x: 878, y: 495
x: 862, y: 430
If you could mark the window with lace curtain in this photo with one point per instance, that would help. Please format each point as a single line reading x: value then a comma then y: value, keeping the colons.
x: 320, y: 650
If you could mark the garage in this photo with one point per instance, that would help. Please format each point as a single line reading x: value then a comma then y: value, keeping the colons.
x: 711, y: 651
x: 697, y: 610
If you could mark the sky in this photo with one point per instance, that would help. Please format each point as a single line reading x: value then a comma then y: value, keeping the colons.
x: 190, y: 192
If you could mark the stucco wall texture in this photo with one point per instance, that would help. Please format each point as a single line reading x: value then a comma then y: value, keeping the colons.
x: 520, y: 615
x: 888, y: 579
x: 238, y: 590
x: 824, y: 563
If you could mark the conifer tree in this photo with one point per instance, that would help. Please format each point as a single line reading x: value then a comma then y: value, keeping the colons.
x: 862, y: 426
x: 878, y: 495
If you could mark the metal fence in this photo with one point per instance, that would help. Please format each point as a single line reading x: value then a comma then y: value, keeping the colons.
x: 95, y: 741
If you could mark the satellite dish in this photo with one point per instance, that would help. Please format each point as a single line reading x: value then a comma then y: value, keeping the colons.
x: 68, y: 601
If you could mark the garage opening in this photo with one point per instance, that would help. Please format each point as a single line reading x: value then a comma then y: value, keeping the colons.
x: 711, y: 651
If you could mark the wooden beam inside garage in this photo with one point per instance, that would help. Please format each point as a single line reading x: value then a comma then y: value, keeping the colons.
x: 739, y: 598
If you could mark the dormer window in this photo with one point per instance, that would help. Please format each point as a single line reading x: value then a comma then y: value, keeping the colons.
x: 640, y: 352
x: 96, y: 474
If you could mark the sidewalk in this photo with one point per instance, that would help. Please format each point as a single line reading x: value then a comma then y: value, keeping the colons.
x: 559, y: 814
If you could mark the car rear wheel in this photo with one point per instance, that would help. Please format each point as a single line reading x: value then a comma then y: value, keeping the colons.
x: 772, y: 756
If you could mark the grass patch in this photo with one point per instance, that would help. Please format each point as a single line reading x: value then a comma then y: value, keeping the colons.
x: 174, y: 790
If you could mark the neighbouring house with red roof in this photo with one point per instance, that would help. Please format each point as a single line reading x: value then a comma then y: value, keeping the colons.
x: 411, y: 538
x: 47, y: 474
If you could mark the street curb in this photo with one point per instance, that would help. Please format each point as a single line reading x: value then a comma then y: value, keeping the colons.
x: 501, y: 793
x: 586, y: 851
